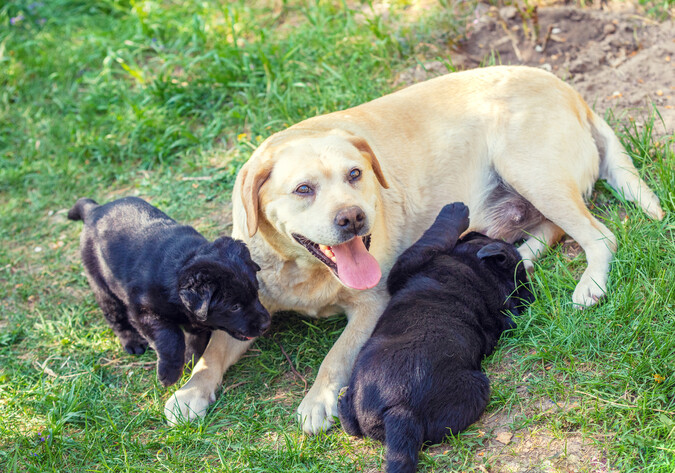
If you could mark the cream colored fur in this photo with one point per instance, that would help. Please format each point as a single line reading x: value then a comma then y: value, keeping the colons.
x: 448, y: 139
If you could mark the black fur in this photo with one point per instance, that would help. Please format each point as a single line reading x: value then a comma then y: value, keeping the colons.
x: 419, y: 377
x: 152, y: 276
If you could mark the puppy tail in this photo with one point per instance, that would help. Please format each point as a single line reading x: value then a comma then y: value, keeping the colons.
x: 81, y: 209
x: 618, y: 170
x: 404, y: 437
x: 347, y: 414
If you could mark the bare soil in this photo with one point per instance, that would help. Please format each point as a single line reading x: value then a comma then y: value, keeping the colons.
x: 616, y: 57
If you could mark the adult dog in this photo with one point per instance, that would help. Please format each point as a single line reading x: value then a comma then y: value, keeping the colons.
x: 330, y: 203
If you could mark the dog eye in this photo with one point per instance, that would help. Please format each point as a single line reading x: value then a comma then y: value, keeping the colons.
x: 235, y: 307
x: 354, y: 174
x: 304, y: 189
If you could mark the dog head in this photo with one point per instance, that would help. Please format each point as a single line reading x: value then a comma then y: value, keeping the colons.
x: 503, y: 261
x: 219, y: 290
x: 316, y: 195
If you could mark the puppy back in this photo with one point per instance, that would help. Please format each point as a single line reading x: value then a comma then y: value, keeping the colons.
x: 81, y: 209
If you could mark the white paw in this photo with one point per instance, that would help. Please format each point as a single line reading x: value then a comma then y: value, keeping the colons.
x: 187, y: 404
x: 588, y: 292
x: 317, y: 410
x: 529, y: 266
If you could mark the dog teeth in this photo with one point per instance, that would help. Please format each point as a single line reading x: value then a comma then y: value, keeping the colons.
x: 333, y: 259
x: 327, y: 251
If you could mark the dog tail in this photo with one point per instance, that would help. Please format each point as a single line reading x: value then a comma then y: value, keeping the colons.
x: 81, y: 209
x: 618, y: 170
x: 347, y: 413
x: 404, y: 437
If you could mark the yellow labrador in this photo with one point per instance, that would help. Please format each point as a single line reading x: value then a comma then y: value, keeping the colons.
x: 327, y: 205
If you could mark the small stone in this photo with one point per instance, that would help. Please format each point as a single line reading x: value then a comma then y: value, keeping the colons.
x: 508, y: 13
x: 609, y: 28
x: 504, y: 437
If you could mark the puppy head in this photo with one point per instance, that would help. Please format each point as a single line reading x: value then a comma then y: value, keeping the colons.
x: 318, y: 193
x: 219, y: 290
x: 503, y: 261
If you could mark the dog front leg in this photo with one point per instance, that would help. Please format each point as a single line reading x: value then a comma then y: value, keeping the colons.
x: 319, y: 407
x: 440, y: 237
x: 196, y: 340
x: 169, y: 342
x: 191, y: 401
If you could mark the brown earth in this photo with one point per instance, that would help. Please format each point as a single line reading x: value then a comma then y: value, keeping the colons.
x: 615, y: 57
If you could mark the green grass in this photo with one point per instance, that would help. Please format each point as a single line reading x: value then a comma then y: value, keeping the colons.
x: 166, y: 100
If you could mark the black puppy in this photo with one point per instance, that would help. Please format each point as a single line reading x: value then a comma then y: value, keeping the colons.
x: 152, y: 276
x: 419, y: 377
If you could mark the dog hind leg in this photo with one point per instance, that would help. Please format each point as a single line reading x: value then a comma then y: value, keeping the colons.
x: 541, y: 239
x: 116, y: 315
x: 470, y: 395
x: 564, y: 206
x: 403, y: 438
x: 347, y: 413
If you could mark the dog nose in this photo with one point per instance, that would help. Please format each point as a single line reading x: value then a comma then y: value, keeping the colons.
x: 351, y: 219
x: 265, y: 324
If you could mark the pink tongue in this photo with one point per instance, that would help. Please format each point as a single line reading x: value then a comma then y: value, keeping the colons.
x: 356, y: 267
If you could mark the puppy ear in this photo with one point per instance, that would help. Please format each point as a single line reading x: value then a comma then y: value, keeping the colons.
x: 253, y: 175
x: 196, y: 293
x: 224, y: 242
x: 237, y: 248
x: 362, y: 145
x: 495, y: 251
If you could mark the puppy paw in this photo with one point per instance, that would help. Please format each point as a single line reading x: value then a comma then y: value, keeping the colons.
x: 588, y: 292
x: 455, y: 214
x: 187, y: 404
x: 168, y: 374
x: 134, y: 345
x: 318, y: 409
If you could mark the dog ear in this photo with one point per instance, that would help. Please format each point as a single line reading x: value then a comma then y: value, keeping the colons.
x: 253, y: 175
x: 237, y: 248
x: 196, y: 294
x: 495, y: 251
x: 362, y: 145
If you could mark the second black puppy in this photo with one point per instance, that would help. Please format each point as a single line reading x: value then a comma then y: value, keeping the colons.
x: 419, y: 376
x: 152, y: 276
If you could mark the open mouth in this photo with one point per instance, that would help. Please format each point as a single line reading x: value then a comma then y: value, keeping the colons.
x: 350, y: 261
x: 238, y: 335
x: 325, y: 253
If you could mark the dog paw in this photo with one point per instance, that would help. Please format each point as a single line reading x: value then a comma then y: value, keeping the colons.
x: 168, y: 374
x: 456, y: 214
x: 136, y: 348
x: 587, y: 293
x: 187, y: 404
x: 318, y: 410
x: 133, y: 344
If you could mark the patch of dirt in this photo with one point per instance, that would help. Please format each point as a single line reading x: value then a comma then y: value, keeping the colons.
x: 520, y: 439
x: 536, y: 448
x: 614, y: 59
